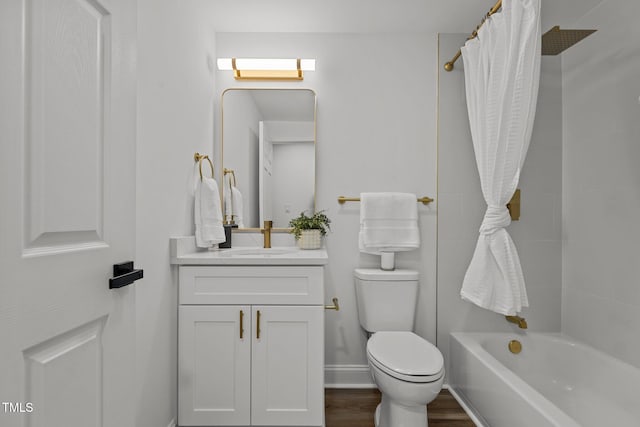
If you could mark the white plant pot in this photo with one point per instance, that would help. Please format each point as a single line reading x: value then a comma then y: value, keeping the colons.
x: 310, y: 239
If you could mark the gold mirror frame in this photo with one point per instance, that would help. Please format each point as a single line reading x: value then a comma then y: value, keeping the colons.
x: 315, y: 148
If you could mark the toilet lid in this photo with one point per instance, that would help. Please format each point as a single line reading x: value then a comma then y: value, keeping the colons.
x: 405, y: 354
x: 374, y: 274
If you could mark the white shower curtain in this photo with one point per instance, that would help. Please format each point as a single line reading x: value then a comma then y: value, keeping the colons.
x: 502, y: 74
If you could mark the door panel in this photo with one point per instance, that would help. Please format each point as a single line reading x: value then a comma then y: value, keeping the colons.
x: 67, y: 78
x: 287, y: 366
x: 47, y: 371
x: 214, y: 365
x: 67, y: 159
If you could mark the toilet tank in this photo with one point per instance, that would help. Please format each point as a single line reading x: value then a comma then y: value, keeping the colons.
x: 386, y: 299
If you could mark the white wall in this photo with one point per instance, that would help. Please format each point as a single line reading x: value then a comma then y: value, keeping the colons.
x: 294, y: 171
x: 601, y: 258
x: 293, y: 181
x: 175, y: 119
x: 376, y: 131
x: 461, y: 207
x: 291, y: 131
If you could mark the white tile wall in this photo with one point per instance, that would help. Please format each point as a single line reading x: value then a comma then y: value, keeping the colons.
x: 601, y: 178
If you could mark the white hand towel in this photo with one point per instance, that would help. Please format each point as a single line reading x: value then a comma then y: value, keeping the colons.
x: 233, y: 205
x: 229, y: 207
x: 237, y: 206
x: 208, y: 214
x: 388, y: 222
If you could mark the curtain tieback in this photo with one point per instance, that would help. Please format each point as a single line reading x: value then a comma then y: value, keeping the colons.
x: 495, y: 218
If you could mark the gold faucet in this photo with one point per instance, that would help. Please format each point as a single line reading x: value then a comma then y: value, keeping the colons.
x: 522, y: 324
x: 267, y: 233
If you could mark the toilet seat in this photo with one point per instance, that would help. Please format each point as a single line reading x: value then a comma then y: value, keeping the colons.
x: 405, y: 356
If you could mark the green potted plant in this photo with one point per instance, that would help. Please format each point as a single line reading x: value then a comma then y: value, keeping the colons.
x: 309, y: 230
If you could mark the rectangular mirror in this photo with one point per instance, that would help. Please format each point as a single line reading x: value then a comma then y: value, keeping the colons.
x: 268, y: 155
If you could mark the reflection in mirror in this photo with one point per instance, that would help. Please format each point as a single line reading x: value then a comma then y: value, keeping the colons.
x: 268, y: 154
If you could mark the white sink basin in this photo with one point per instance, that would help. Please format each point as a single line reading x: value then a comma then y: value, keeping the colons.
x: 184, y: 252
x: 252, y: 252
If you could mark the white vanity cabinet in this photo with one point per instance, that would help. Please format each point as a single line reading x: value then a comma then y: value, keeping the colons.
x: 251, y: 346
x: 214, y: 373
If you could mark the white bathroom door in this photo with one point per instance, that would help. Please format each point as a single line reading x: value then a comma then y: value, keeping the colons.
x: 67, y: 212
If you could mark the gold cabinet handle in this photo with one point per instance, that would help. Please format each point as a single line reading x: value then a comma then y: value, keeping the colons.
x: 241, y: 324
x: 335, y: 305
x: 258, y: 326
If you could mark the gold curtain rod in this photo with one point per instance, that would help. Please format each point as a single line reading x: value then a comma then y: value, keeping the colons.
x: 424, y: 200
x: 199, y: 158
x: 449, y: 65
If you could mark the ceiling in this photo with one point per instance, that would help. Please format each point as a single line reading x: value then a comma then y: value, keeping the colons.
x: 373, y: 16
x: 362, y: 16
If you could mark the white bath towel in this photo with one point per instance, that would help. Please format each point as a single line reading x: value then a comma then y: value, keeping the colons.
x: 233, y: 205
x: 388, y: 222
x: 208, y: 214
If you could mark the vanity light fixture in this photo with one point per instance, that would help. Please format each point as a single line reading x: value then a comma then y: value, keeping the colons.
x: 267, y: 68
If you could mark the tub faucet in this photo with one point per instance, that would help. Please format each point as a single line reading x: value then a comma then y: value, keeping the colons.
x: 522, y: 324
x: 266, y: 231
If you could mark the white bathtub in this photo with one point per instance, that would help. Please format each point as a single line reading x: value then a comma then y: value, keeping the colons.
x: 554, y: 381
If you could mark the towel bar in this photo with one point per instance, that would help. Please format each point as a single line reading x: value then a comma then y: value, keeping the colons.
x: 513, y: 205
x: 342, y: 199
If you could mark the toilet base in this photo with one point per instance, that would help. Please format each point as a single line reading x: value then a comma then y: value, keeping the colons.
x: 402, y: 416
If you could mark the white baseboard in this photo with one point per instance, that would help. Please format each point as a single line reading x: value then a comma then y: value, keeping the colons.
x: 172, y: 423
x: 348, y: 376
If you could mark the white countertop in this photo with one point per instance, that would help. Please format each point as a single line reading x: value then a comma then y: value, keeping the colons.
x: 184, y: 252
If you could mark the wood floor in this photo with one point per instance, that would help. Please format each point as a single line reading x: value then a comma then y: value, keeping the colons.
x: 355, y: 408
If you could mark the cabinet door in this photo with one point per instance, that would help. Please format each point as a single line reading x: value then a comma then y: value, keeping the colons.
x: 287, y: 365
x: 214, y: 376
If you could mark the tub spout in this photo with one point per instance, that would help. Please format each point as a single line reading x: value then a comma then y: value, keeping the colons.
x: 522, y: 324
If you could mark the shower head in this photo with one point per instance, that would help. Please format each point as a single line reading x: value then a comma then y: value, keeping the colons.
x: 556, y: 41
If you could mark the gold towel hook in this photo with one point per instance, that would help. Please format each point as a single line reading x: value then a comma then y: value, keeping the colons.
x: 198, y: 158
x: 233, y: 174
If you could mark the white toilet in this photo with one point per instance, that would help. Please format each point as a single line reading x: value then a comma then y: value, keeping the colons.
x: 407, y: 369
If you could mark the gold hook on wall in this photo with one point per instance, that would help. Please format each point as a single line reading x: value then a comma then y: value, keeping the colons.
x: 198, y: 158
x: 233, y: 174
